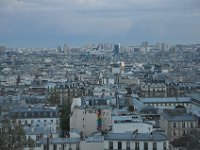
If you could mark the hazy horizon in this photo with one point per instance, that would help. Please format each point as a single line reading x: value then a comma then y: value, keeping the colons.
x: 48, y: 23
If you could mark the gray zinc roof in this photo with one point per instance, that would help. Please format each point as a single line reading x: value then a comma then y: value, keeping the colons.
x: 179, y: 117
x: 61, y: 140
x: 136, y: 137
x: 167, y: 99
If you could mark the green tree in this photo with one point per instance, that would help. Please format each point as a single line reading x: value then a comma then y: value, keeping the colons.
x: 65, y: 117
x: 30, y: 143
x: 12, y: 136
x: 190, y: 142
x: 4, y: 134
x: 194, y: 140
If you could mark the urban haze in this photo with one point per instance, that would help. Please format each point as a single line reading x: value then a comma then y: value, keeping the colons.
x: 99, y: 74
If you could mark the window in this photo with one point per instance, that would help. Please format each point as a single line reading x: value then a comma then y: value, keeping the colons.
x: 110, y: 145
x: 77, y: 147
x: 128, y: 146
x: 19, y: 122
x: 44, y: 147
x: 183, y: 133
x: 70, y: 148
x: 54, y: 147
x: 174, y: 124
x: 183, y: 124
x: 62, y: 146
x: 154, y: 146
x: 164, y: 146
x: 137, y: 146
x: 145, y: 145
x: 119, y: 145
x: 37, y: 137
x: 191, y: 125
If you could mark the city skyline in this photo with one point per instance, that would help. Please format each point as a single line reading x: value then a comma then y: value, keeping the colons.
x: 47, y: 23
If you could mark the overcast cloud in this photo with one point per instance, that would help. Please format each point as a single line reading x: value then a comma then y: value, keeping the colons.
x: 39, y: 23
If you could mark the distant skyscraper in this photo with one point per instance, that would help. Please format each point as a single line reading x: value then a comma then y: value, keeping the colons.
x: 157, y: 46
x: 66, y: 49
x: 116, y: 50
x: 165, y: 47
x: 2, y: 48
x: 59, y: 48
x: 145, y: 45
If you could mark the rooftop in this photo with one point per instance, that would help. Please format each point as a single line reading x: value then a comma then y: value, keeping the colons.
x: 177, y: 115
x: 61, y: 140
x: 136, y: 136
x: 166, y: 100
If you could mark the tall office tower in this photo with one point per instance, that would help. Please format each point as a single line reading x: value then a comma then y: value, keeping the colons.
x: 116, y: 50
x: 59, y: 48
x: 145, y: 45
x: 164, y: 47
x: 66, y: 49
x: 2, y: 48
x: 157, y: 46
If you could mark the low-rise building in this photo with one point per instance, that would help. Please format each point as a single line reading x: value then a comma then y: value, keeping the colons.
x: 38, y: 116
x: 177, y: 123
x: 167, y: 102
x: 136, y: 141
x: 60, y: 144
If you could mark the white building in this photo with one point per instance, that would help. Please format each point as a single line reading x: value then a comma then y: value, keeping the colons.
x: 111, y: 141
x: 137, y: 141
x: 36, y: 116
x: 89, y: 143
x: 38, y: 133
x: 60, y: 144
x: 162, y: 102
x: 92, y: 142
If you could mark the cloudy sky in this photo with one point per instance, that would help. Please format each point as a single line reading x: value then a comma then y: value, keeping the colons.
x: 48, y: 23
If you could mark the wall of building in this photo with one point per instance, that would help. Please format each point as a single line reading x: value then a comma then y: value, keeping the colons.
x: 85, y: 120
x: 91, y: 145
x: 177, y: 129
x: 160, y: 145
x: 52, y: 123
x: 73, y: 146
